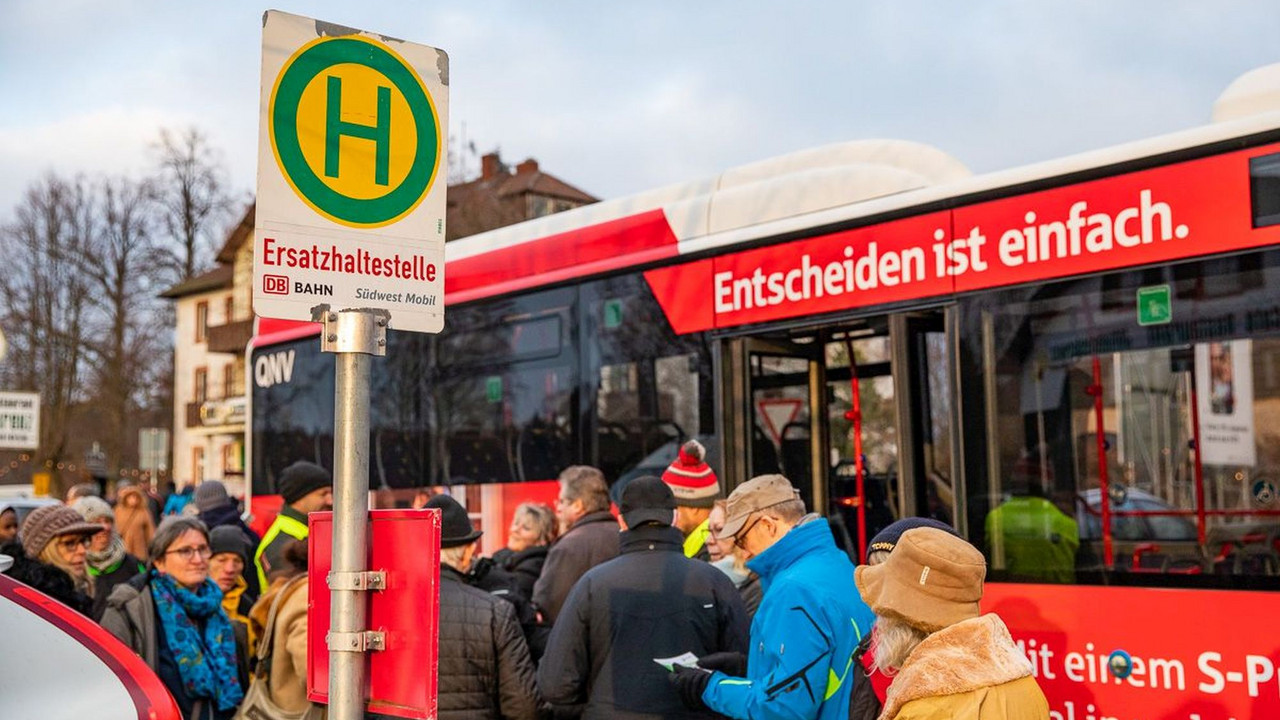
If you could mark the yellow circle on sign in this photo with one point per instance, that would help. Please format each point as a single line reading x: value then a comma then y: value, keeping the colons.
x: 357, y: 171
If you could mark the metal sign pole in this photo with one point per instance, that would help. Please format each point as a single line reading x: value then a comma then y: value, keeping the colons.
x: 355, y: 336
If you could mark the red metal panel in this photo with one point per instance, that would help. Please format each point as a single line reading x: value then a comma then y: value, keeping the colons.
x: 401, y: 680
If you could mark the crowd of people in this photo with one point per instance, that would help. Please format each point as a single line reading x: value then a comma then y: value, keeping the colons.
x: 182, y: 581
x: 685, y: 604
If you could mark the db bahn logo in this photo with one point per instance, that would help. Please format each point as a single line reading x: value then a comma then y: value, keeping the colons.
x: 354, y: 131
x: 275, y: 284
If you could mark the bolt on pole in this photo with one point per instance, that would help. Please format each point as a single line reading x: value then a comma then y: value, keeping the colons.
x: 355, y: 336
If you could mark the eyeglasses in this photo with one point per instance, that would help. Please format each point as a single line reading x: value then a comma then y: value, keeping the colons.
x: 75, y: 541
x: 741, y: 535
x: 189, y: 553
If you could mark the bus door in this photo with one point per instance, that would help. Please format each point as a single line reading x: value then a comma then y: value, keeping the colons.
x: 858, y: 416
x: 771, y: 422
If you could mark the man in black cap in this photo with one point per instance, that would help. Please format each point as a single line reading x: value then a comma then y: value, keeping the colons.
x: 484, y: 669
x: 649, y: 603
x: 306, y: 488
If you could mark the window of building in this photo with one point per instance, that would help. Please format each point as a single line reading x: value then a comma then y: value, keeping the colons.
x: 231, y: 459
x: 229, y: 310
x: 229, y: 389
x: 197, y: 464
x: 202, y: 320
x: 201, y: 384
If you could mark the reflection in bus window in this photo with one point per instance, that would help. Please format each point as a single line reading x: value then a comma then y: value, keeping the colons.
x: 651, y: 388
x: 1189, y: 412
x: 502, y: 404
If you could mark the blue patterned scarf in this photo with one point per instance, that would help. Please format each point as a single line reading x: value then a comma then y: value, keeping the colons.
x: 206, y: 663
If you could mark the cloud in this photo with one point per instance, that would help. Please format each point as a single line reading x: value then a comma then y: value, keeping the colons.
x: 111, y: 141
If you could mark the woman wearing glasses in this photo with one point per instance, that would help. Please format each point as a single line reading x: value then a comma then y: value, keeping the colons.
x: 172, y: 617
x: 50, y: 555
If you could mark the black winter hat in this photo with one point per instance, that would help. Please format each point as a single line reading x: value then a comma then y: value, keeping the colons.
x: 229, y: 539
x: 302, y: 478
x: 647, y: 499
x: 887, y: 539
x: 455, y: 526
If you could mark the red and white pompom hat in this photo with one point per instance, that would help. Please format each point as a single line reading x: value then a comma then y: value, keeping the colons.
x: 691, y: 479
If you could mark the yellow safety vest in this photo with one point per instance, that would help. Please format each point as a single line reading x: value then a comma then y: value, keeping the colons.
x: 693, y: 544
x: 283, y: 524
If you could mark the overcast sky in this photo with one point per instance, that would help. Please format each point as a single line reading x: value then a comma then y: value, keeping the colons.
x: 617, y: 98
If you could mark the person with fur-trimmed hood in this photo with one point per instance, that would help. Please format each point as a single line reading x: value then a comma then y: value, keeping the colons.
x: 696, y: 488
x: 949, y: 660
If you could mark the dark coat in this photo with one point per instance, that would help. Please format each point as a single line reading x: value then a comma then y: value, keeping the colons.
x: 864, y: 703
x: 104, y: 581
x: 48, y: 579
x: 490, y: 575
x: 651, y: 602
x: 591, y: 540
x: 525, y: 565
x: 484, y: 666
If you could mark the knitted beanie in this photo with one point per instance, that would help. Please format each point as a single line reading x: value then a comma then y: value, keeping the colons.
x: 50, y: 521
x: 210, y: 495
x: 230, y: 539
x: 691, y: 478
x: 301, y: 478
x: 93, y: 508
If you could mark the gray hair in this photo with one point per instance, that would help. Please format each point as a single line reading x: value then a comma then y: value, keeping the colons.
x: 788, y: 511
x: 452, y: 556
x: 172, y: 528
x: 586, y: 483
x: 895, y: 640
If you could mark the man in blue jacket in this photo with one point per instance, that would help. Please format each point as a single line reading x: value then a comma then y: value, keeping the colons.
x: 803, y: 637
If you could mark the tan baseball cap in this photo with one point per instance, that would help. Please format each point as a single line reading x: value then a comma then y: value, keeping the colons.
x: 931, y: 580
x: 757, y: 493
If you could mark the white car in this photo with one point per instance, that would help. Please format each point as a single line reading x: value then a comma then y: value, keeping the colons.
x: 58, y: 664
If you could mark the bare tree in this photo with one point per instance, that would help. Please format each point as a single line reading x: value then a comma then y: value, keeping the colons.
x: 128, y: 333
x: 44, y: 301
x: 193, y: 198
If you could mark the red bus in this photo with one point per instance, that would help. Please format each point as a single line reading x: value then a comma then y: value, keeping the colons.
x: 1076, y: 363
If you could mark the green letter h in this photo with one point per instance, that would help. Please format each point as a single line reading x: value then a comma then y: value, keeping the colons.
x: 380, y: 133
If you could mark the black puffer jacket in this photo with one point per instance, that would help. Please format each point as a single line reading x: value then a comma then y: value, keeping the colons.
x: 484, y: 666
x: 651, y: 602
x: 525, y: 565
x: 48, y: 579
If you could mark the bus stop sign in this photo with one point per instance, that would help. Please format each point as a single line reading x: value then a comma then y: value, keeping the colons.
x: 351, y: 202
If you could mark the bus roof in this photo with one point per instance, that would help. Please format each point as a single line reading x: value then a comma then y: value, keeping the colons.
x: 859, y: 179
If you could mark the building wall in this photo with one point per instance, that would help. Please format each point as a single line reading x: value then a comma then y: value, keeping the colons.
x: 189, y: 354
x: 242, y: 281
